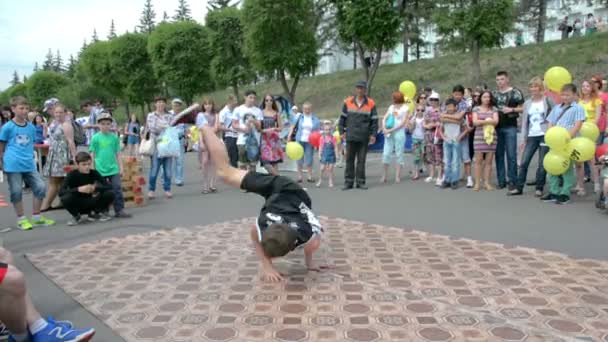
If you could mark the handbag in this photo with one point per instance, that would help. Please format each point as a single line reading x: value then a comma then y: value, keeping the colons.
x: 146, y: 148
x: 294, y: 133
x: 390, y: 121
x: 168, y: 145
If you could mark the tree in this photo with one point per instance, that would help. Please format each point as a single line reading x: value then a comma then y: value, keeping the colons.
x: 58, y: 63
x: 230, y: 66
x: 165, y: 17
x: 36, y: 67
x: 373, y: 26
x: 533, y: 13
x: 24, y: 79
x: 146, y: 21
x: 473, y: 25
x: 15, y: 79
x: 71, y: 69
x: 182, y: 13
x: 49, y: 61
x: 94, y: 38
x: 112, y: 33
x: 82, y: 48
x: 95, y: 64
x: 416, y: 15
x: 43, y: 85
x: 219, y: 4
x: 280, y: 39
x: 180, y: 56
x: 130, y: 62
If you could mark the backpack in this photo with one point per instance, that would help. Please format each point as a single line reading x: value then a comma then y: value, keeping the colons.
x: 80, y: 137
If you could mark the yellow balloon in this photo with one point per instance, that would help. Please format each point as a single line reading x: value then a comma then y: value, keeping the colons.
x: 556, y: 77
x: 408, y: 88
x: 555, y: 164
x: 583, y: 149
x: 338, y: 137
x: 410, y: 104
x: 557, y: 138
x: 590, y: 131
x: 294, y: 150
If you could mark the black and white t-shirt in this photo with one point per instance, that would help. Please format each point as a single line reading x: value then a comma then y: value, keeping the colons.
x: 286, y: 202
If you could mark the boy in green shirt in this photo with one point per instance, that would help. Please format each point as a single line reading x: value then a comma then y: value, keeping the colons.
x: 105, y: 149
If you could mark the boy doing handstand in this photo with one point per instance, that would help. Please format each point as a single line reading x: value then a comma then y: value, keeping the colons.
x: 286, y: 220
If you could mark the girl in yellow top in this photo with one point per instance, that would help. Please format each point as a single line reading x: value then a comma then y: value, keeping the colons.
x: 592, y: 104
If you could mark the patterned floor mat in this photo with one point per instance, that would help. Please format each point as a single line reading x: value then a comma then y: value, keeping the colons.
x: 389, y: 284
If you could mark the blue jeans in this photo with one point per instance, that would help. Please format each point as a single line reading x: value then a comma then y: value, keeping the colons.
x: 178, y: 169
x: 119, y: 200
x: 31, y: 179
x: 451, y: 161
x: 157, y: 163
x: 506, y: 143
x: 308, y: 158
x: 532, y: 145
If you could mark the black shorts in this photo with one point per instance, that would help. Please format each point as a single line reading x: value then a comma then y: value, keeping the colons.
x: 267, y: 185
x: 3, y: 270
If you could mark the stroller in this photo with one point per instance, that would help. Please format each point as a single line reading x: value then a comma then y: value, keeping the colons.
x: 600, y: 202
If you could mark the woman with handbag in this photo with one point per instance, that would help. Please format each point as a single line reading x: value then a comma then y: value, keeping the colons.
x: 305, y: 124
x: 393, y: 127
x: 157, y: 122
x: 61, y: 153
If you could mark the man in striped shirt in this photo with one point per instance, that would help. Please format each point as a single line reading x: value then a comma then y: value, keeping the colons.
x: 569, y: 115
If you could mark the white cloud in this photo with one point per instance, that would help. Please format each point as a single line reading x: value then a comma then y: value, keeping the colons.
x: 31, y: 27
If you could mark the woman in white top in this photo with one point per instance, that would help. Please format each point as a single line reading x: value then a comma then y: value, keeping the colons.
x: 393, y: 127
x: 533, y: 128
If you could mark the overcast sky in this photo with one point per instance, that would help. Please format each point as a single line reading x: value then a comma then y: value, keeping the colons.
x: 28, y: 28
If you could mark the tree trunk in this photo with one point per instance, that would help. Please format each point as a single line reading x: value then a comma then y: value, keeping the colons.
x: 476, y: 65
x: 374, y: 69
x: 542, y: 21
x: 290, y: 93
x: 354, y: 56
x: 127, y: 111
x: 143, y: 111
x: 406, y: 43
x: 366, y: 67
x: 418, y: 31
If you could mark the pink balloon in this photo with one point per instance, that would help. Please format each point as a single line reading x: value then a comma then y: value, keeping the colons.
x: 315, y: 139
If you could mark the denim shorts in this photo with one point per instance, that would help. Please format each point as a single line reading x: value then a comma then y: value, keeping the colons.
x: 31, y: 179
x: 309, y: 152
x: 465, y: 153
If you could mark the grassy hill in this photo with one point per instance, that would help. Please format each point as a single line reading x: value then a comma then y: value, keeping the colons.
x: 581, y: 56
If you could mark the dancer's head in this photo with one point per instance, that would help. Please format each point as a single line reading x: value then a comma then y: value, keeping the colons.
x: 278, y: 240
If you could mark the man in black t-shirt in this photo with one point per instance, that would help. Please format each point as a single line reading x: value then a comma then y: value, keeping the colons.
x: 85, y: 191
x: 509, y: 102
x: 286, y: 220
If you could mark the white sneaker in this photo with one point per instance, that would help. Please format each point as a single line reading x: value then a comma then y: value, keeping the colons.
x: 439, y: 181
x: 469, y: 182
x: 428, y: 180
x: 596, y: 188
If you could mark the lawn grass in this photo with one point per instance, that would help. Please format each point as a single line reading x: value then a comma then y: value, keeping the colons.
x: 581, y: 56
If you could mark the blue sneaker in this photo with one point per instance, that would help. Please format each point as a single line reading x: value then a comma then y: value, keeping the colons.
x: 62, y: 332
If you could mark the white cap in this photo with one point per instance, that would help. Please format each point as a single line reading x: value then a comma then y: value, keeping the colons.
x: 434, y: 95
x: 177, y: 100
x: 50, y: 103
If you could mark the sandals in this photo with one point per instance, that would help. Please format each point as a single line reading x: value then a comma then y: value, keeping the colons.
x: 212, y: 189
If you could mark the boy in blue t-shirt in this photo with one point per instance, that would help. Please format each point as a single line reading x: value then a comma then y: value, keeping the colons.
x: 17, y: 161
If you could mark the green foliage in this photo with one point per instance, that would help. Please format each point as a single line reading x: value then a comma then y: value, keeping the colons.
x: 94, y: 38
x: 15, y: 79
x: 58, y: 63
x: 230, y: 66
x: 19, y: 89
x: 131, y: 66
x: 49, y: 61
x: 43, y: 85
x: 112, y: 33
x: 182, y: 13
x: 279, y: 35
x: 461, y: 22
x: 95, y: 62
x: 375, y: 24
x: 146, y: 21
x: 180, y: 56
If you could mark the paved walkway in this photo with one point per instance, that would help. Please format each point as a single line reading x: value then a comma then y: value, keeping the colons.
x: 577, y: 230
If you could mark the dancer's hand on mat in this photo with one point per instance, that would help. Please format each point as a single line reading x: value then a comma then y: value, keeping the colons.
x: 271, y: 275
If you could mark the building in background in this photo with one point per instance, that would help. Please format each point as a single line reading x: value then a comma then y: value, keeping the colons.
x: 338, y: 60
